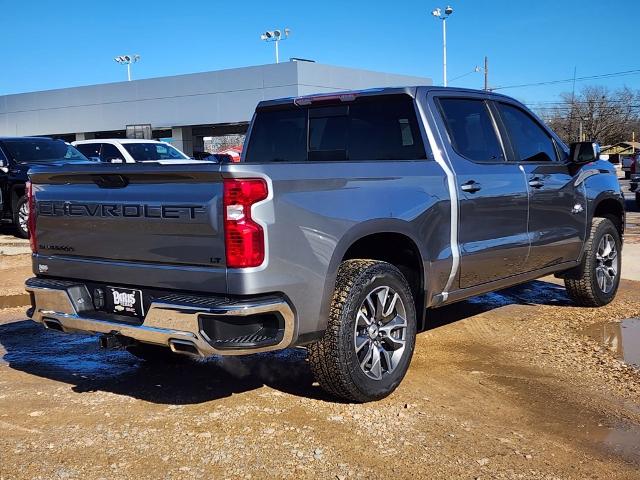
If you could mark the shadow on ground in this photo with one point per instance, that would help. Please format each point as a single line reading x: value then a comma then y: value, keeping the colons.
x: 8, y: 229
x: 78, y: 361
x: 630, y: 205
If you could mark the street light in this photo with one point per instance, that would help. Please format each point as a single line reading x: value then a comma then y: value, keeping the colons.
x: 127, y: 60
x: 437, y: 13
x: 275, y: 36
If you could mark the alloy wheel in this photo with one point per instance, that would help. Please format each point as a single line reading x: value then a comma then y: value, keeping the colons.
x: 606, y: 263
x: 23, y: 216
x: 380, y: 332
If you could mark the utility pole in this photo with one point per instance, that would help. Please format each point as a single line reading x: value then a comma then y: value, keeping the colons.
x: 486, y: 74
x: 580, y: 131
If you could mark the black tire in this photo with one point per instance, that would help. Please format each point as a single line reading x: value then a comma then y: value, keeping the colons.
x: 156, y: 354
x: 333, y: 359
x: 22, y: 229
x: 583, y: 286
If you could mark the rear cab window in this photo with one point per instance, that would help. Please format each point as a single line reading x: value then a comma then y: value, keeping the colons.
x: 367, y: 129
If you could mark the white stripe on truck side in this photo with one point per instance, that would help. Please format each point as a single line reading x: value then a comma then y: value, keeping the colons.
x: 453, y: 195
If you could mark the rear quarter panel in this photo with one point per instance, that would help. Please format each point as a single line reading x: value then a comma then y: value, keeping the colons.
x: 318, y: 210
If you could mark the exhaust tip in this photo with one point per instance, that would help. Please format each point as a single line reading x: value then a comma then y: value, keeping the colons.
x: 52, y: 324
x: 184, y: 347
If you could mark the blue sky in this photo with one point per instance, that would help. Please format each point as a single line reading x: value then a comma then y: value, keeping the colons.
x: 47, y: 44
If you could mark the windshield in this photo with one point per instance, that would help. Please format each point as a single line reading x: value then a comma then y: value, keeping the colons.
x: 36, y: 150
x: 142, y: 152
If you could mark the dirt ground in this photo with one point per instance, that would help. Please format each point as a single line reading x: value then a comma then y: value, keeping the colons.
x: 13, y: 272
x: 504, y: 386
x: 507, y: 385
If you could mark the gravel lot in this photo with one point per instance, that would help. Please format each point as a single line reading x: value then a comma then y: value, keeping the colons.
x: 507, y: 385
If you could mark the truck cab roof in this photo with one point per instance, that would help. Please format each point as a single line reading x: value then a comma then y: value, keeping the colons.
x: 350, y: 95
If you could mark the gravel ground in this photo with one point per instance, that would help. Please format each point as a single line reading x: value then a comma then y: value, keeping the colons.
x: 507, y: 385
x: 503, y: 386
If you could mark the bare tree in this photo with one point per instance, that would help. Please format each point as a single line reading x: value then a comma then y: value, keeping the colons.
x: 600, y: 114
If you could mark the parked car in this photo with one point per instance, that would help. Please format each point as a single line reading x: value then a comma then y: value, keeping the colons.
x: 635, y: 179
x: 213, y: 157
x: 17, y: 155
x: 627, y: 161
x: 130, y: 151
x: 232, y: 154
x: 350, y: 216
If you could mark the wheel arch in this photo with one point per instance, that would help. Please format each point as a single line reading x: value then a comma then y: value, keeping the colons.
x: 606, y: 206
x: 17, y: 191
x: 387, y: 240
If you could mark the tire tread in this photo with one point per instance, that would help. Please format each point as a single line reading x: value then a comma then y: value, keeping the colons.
x: 582, y: 290
x: 324, y: 355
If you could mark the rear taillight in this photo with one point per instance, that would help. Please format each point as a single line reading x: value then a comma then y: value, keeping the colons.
x: 244, y: 238
x: 31, y: 220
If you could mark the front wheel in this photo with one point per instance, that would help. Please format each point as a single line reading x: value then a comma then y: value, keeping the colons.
x: 599, y: 274
x: 370, y: 335
x: 21, y: 217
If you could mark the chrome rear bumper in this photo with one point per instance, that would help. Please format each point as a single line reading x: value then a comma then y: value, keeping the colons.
x: 172, y: 320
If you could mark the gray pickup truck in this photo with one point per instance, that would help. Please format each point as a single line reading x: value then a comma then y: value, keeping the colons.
x: 350, y: 216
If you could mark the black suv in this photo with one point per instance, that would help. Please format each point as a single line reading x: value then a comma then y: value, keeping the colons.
x: 17, y: 155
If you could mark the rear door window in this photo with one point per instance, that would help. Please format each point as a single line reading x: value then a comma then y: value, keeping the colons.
x: 471, y: 129
x: 531, y: 142
x: 379, y: 128
x: 110, y: 153
x: 89, y: 150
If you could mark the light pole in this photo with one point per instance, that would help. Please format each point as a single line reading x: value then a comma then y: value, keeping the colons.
x: 275, y: 36
x: 127, y: 60
x: 437, y: 13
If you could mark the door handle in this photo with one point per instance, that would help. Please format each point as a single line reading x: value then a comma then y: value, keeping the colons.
x: 536, y: 183
x: 470, y: 187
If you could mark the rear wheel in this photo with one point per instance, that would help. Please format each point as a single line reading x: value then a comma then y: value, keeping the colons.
x: 21, y: 217
x: 370, y: 335
x: 598, y: 278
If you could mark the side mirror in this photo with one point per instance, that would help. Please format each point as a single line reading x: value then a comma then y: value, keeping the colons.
x: 584, y: 152
x: 4, y: 166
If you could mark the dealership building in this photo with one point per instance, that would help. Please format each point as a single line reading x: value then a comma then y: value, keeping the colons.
x: 183, y: 108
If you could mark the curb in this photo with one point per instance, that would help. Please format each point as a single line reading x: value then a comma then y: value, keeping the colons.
x: 17, y: 300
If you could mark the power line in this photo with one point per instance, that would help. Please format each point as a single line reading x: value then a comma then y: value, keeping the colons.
x: 572, y: 79
x: 567, y: 102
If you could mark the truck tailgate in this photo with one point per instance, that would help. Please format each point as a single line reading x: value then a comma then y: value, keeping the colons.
x: 151, y: 214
